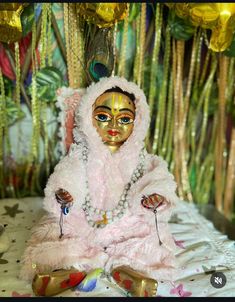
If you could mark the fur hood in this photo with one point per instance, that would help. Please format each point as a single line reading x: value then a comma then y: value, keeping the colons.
x: 83, y: 115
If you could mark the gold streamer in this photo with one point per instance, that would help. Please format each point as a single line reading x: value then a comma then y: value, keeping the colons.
x: 31, y: 172
x: 68, y: 53
x: 74, y: 45
x: 204, y: 68
x: 142, y: 43
x: 223, y: 68
x: 46, y: 43
x: 17, y: 64
x: 17, y: 92
x: 231, y: 77
x: 43, y: 38
x: 73, y: 42
x: 179, y: 135
x: 154, y: 66
x: 177, y: 81
x: 230, y: 179
x: 179, y: 94
x: 230, y: 175
x: 2, y: 127
x: 35, y: 105
x: 36, y: 119
x: 114, y: 49
x: 46, y: 150
x: 206, y: 171
x: 198, y: 60
x: 122, y: 65
x: 182, y: 136
x: 49, y: 34
x: 80, y: 46
x: 137, y: 53
x: 159, y: 124
x: 205, y: 95
x: 168, y: 137
x: 189, y: 81
x: 193, y: 113
x: 203, y: 187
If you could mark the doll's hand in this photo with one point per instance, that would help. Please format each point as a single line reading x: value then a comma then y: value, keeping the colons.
x: 63, y: 197
x: 153, y: 201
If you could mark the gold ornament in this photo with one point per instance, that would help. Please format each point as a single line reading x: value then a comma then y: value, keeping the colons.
x: 218, y: 17
x: 102, y: 14
x: 10, y: 23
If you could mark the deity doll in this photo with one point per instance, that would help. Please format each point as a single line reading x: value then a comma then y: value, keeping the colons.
x: 108, y: 200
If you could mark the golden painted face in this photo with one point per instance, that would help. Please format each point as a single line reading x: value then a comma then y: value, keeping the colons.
x: 113, y: 117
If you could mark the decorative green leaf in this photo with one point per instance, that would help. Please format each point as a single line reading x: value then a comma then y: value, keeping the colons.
x: 8, y: 85
x: 27, y: 18
x: 14, y: 113
x: 48, y: 80
x: 180, y: 29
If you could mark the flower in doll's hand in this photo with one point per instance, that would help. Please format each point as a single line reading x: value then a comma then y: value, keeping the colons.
x: 153, y: 201
x: 63, y: 197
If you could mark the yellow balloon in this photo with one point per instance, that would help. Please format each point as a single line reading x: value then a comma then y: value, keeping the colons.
x: 10, y: 23
x: 102, y: 14
x: 218, y: 17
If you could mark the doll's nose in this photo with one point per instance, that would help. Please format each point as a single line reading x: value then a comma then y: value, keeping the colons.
x: 114, y: 122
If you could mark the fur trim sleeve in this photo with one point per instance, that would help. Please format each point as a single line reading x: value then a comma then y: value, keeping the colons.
x: 66, y: 175
x: 159, y: 180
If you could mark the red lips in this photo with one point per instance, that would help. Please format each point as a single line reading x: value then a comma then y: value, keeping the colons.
x: 113, y: 132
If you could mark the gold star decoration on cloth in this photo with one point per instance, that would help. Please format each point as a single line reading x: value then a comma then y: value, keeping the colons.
x: 12, y: 211
x: 3, y: 261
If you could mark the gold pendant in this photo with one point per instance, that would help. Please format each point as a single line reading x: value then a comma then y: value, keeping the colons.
x: 104, y: 221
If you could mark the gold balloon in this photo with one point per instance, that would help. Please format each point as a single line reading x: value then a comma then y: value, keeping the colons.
x: 218, y: 17
x: 102, y: 14
x: 10, y: 23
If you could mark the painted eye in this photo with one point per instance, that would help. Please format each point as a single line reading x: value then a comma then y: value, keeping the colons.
x: 125, y: 120
x: 102, y: 118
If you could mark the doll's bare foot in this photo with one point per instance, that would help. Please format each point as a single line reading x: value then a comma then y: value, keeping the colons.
x: 56, y: 282
x: 135, y: 283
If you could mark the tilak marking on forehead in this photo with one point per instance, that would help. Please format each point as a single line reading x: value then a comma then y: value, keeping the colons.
x: 113, y: 109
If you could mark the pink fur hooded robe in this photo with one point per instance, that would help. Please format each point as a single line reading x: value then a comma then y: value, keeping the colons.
x: 132, y: 240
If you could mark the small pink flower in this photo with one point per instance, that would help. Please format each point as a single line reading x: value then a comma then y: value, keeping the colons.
x: 15, y: 294
x: 179, y: 243
x: 180, y: 291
